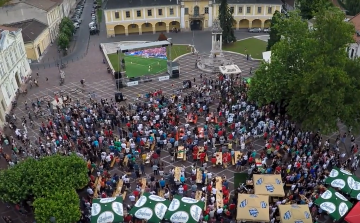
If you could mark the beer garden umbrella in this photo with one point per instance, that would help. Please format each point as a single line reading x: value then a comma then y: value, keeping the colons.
x: 344, y: 180
x: 151, y: 208
x: 107, y: 210
x: 184, y: 210
x: 334, y: 203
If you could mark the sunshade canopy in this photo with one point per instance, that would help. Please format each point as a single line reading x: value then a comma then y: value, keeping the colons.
x: 106, y: 210
x: 334, y: 203
x: 344, y: 180
x: 270, y: 184
x: 151, y: 208
x: 184, y: 209
x: 354, y: 215
x: 295, y: 213
x: 253, y: 207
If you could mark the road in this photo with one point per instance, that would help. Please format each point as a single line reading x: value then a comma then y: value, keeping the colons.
x: 82, y: 38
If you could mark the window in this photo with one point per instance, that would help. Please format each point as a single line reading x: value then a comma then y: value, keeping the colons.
x: 127, y: 13
x: 147, y: 24
x: 232, y: 9
x: 21, y: 50
x: 7, y: 62
x: 12, y: 58
x: 117, y: 15
x: 8, y: 91
x: 138, y: 13
x: 24, y: 66
x: 186, y: 11
x: 160, y: 11
x: 269, y: 10
x: 133, y: 26
x: 17, y: 57
x: 259, y: 9
x: 161, y: 23
x: 171, y: 11
x: 149, y: 12
x: 206, y: 10
x: 240, y: 10
x: 248, y: 9
x: 173, y: 23
x: 2, y: 70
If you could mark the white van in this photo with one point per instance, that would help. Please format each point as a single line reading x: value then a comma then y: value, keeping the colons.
x: 91, y: 24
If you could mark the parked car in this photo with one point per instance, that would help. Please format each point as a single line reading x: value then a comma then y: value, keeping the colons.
x: 91, y: 24
x: 76, y: 25
x: 255, y: 30
x: 266, y: 30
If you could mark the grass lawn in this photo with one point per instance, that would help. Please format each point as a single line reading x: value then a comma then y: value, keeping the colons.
x: 239, y: 178
x: 137, y: 66
x: 252, y: 46
x: 99, y: 15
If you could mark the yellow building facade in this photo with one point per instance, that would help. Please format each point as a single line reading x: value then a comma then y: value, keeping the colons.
x: 138, y: 17
x: 36, y: 36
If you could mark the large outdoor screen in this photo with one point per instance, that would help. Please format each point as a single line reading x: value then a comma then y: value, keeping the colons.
x: 159, y: 53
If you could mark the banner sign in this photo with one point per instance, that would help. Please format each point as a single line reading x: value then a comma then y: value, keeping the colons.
x: 132, y: 83
x: 164, y: 78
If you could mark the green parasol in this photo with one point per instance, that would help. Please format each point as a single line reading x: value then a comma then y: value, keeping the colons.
x: 107, y: 210
x: 342, y: 179
x: 334, y: 203
x: 184, y: 209
x: 150, y: 207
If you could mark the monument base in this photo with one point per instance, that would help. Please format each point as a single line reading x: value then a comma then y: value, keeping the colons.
x: 212, y: 63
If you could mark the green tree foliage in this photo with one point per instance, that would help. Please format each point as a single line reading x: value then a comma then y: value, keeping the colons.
x: 162, y: 37
x: 67, y: 23
x: 311, y: 74
x: 274, y: 33
x: 32, y: 180
x: 63, y: 205
x: 226, y: 22
x: 63, y: 41
x: 308, y: 8
x: 352, y: 7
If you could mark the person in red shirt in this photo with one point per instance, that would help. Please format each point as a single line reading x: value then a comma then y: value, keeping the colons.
x: 232, y: 207
x: 251, y: 160
x: 202, y: 157
x: 209, y: 188
x: 136, y: 193
x: 226, y: 193
x: 127, y: 218
x: 185, y: 187
x: 213, y: 160
x: 128, y: 124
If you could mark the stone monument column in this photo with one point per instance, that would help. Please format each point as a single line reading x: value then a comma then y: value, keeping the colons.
x: 216, y: 39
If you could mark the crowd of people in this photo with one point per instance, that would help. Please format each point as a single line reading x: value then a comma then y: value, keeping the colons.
x: 136, y: 136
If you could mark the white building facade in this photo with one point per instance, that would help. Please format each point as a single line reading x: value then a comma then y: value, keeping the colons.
x: 14, y: 68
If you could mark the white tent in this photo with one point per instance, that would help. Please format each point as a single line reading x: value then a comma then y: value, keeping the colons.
x: 267, y: 56
x: 230, y: 69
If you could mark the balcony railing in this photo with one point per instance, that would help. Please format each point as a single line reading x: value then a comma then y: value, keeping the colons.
x: 198, y: 16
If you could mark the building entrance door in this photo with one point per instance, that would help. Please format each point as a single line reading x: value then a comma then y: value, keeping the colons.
x: 196, y: 25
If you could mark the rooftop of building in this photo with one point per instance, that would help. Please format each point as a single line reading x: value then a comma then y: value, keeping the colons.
x: 120, y: 4
x: 45, y: 5
x: 31, y: 29
x: 356, y: 21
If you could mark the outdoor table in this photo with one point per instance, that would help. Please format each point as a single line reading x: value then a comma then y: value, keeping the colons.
x: 219, y: 194
x: 237, y: 156
x: 119, y: 186
x: 198, y: 176
x: 198, y: 195
x: 161, y: 193
x: 177, y: 173
x: 180, y: 153
x: 143, y: 185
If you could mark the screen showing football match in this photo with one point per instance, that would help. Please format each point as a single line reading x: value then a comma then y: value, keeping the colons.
x: 159, y: 53
x: 146, y: 62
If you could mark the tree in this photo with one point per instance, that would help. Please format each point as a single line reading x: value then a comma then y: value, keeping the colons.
x: 162, y: 37
x: 66, y: 22
x: 52, y: 178
x: 274, y: 33
x: 226, y: 22
x: 56, y: 204
x: 67, y: 31
x: 63, y: 41
x: 308, y: 8
x: 310, y: 73
x: 352, y: 7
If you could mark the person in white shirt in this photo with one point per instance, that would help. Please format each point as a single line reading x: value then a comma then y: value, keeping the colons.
x: 181, y: 190
x: 213, y: 191
x: 90, y: 191
x: 132, y: 198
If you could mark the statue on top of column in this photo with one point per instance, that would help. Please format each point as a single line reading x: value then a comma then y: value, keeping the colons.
x: 216, y: 28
